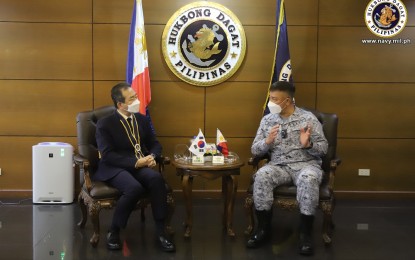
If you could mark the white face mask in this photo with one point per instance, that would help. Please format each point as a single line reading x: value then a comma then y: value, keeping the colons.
x: 275, y: 108
x: 134, y: 107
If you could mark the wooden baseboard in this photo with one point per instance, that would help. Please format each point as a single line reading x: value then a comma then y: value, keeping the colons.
x: 16, y: 193
x: 208, y: 194
x: 384, y: 195
x: 216, y: 194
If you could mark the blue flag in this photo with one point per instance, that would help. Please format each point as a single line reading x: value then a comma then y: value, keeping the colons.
x: 281, y: 70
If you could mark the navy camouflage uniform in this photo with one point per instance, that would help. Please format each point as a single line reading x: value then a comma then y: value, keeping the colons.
x: 289, y: 161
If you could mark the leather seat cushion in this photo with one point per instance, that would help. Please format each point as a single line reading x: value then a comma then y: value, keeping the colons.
x: 291, y: 191
x: 101, y: 190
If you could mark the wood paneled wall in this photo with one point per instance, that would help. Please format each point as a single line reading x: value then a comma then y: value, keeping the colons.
x: 61, y: 57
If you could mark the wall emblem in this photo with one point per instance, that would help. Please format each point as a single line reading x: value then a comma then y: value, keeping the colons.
x: 203, y: 43
x: 386, y: 18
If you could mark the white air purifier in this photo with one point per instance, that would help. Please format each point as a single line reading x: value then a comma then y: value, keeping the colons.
x: 53, y: 173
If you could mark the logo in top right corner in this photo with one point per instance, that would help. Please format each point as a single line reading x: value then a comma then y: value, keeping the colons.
x: 386, y: 18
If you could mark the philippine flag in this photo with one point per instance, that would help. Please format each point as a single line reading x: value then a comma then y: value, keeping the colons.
x: 198, y: 145
x: 221, y: 143
x: 137, y: 61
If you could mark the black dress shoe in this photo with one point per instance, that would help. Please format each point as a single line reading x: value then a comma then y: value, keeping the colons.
x: 113, y: 241
x: 165, y: 244
x: 257, y: 239
x: 306, y: 245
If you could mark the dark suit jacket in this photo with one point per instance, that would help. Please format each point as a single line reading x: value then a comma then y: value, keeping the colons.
x: 117, y: 152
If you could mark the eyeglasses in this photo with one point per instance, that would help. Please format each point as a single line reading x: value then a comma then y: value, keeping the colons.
x: 284, y: 133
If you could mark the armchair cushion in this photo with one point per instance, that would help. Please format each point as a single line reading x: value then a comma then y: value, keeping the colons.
x: 291, y: 191
x: 101, y: 190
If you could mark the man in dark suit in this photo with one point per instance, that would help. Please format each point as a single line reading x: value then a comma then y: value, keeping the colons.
x: 129, y: 149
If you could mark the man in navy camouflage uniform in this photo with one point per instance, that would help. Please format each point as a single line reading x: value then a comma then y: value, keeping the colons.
x: 295, y: 141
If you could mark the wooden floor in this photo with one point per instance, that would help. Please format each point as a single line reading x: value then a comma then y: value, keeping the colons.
x: 364, y: 230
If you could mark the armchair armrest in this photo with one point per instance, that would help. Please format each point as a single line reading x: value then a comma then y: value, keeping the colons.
x: 251, y: 161
x: 83, y: 164
x: 334, y: 163
x: 166, y: 160
x: 163, y: 161
x: 258, y: 161
x: 80, y: 160
x: 333, y: 166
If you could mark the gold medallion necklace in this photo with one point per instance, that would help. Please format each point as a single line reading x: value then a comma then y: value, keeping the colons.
x: 131, y: 132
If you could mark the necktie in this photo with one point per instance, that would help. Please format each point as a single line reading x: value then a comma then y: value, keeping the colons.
x: 129, y: 123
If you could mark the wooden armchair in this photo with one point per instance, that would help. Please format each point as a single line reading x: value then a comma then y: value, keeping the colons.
x: 285, y: 196
x: 96, y: 195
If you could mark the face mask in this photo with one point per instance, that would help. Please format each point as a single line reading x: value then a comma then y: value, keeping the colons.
x: 274, y: 108
x: 134, y: 107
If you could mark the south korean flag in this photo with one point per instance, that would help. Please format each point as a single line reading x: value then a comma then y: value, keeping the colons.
x: 198, y: 145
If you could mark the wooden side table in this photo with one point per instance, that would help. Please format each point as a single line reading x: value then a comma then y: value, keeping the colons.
x: 228, y: 171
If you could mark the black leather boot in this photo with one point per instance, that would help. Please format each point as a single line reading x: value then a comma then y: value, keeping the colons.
x: 263, y: 231
x: 113, y: 240
x: 306, y: 231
